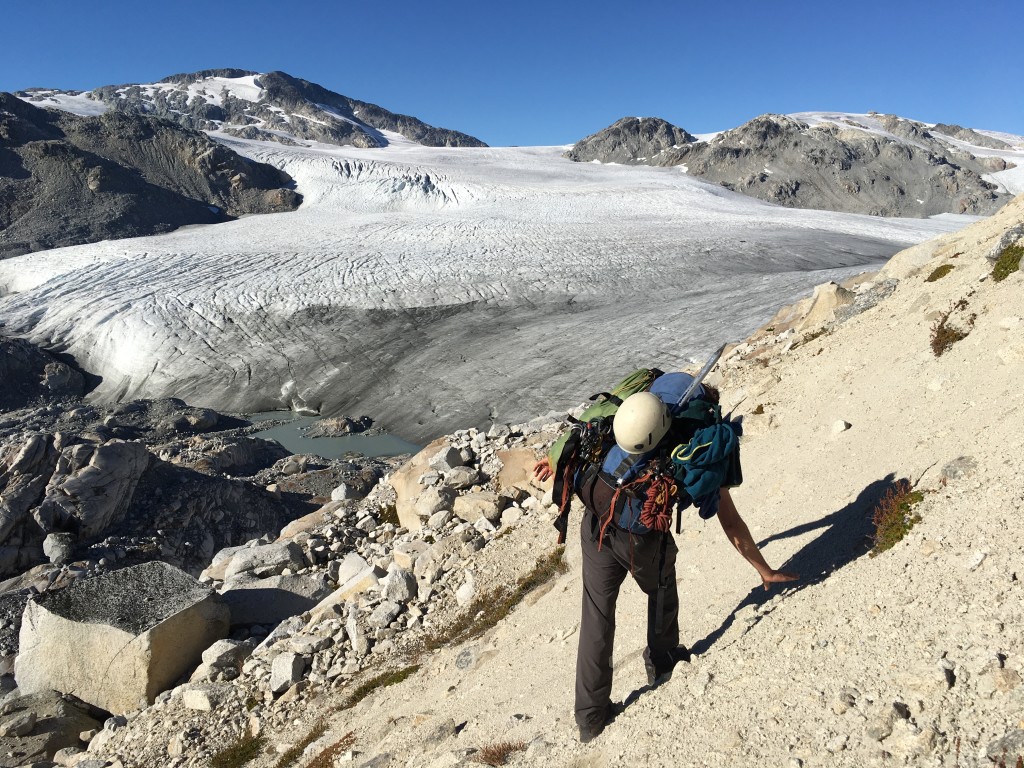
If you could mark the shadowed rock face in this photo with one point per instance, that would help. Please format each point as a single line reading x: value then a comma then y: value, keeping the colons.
x: 286, y: 104
x: 31, y: 375
x: 66, y: 179
x: 782, y: 160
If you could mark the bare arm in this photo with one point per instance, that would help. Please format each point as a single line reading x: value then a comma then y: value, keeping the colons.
x: 737, y: 532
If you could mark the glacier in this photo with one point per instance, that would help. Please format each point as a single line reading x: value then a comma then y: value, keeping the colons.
x: 434, y: 288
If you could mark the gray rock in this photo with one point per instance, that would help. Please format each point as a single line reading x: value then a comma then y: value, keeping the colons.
x: 1010, y: 237
x: 384, y: 614
x: 266, y: 560
x: 399, y: 585
x: 445, y: 460
x: 406, y: 553
x: 1006, y: 747
x: 203, y: 698
x: 30, y: 374
x: 969, y: 136
x: 959, y: 468
x: 119, y: 639
x: 92, y: 485
x: 59, y: 547
x: 18, y: 725
x: 285, y: 671
x: 58, y: 720
x: 464, y: 595
x: 472, y: 506
x: 227, y: 653
x: 439, y: 519
x: 631, y: 140
x: 360, y: 643
x: 431, y: 501
x: 461, y: 477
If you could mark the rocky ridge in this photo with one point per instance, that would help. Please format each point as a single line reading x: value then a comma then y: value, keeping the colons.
x: 66, y: 179
x: 271, y: 106
x: 898, y: 168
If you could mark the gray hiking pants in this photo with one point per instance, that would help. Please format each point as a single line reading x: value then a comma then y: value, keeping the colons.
x: 652, y: 560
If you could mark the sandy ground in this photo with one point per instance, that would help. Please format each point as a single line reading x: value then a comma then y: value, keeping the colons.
x: 808, y: 675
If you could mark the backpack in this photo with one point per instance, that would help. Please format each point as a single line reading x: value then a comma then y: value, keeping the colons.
x: 647, y: 486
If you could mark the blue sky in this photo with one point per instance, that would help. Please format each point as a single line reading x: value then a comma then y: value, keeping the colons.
x: 532, y: 73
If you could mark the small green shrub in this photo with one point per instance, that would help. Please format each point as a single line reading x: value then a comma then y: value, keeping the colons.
x: 326, y: 758
x: 293, y: 754
x: 1008, y: 262
x: 389, y: 514
x: 497, y: 754
x: 491, y: 607
x: 238, y: 754
x: 394, y: 677
x: 945, y: 335
x: 320, y: 726
x: 938, y: 273
x: 894, y: 516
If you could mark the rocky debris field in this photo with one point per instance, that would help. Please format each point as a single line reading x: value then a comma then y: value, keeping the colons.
x: 342, y: 593
x: 389, y: 630
x: 66, y: 179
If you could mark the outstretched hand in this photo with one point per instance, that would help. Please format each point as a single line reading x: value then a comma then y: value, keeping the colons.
x: 778, y: 577
x: 542, y: 470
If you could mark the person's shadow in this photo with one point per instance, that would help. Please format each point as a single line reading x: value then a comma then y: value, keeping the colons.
x: 847, y: 536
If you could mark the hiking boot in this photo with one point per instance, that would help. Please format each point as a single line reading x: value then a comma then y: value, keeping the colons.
x: 661, y: 671
x: 591, y: 730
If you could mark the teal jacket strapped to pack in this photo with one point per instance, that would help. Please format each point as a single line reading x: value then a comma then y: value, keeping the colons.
x: 708, y: 462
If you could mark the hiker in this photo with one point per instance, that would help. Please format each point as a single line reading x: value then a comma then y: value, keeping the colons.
x: 611, y: 549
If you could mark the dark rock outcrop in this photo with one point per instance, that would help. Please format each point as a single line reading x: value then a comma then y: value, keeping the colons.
x: 783, y: 160
x: 631, y: 141
x: 66, y: 179
x: 30, y: 375
x: 52, y: 483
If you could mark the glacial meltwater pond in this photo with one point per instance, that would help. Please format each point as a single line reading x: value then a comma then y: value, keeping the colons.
x: 293, y: 437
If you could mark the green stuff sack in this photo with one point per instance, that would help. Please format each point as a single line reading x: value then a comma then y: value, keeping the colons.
x: 608, y: 404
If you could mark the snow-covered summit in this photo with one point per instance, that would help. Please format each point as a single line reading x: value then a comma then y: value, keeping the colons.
x: 270, y: 106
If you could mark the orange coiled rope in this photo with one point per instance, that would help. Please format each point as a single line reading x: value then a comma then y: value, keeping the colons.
x: 657, y: 511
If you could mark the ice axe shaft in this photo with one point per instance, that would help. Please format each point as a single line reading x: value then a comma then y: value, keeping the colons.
x: 700, y: 376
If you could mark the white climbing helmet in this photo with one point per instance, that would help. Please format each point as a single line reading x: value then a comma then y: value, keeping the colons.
x: 640, y: 423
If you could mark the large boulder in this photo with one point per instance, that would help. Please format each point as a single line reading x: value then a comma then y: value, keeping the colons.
x: 92, y: 487
x: 118, y: 640
x: 406, y: 482
x: 266, y: 559
x: 473, y: 506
